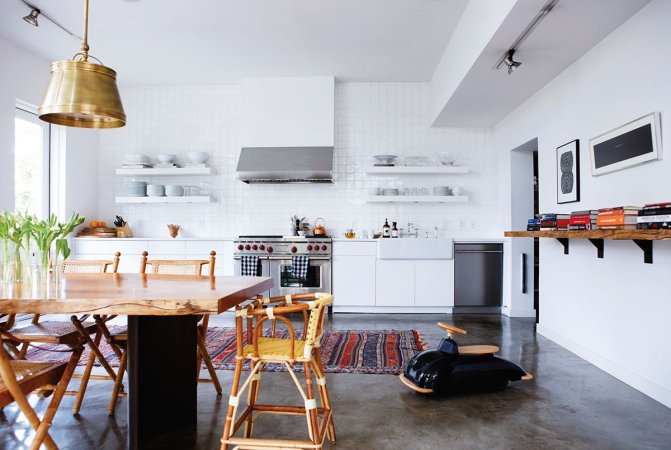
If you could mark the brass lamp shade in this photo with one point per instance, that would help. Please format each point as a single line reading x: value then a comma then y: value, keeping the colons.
x: 82, y: 94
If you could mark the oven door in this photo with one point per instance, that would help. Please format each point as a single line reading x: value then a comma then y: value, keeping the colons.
x: 317, y: 280
x: 264, y: 270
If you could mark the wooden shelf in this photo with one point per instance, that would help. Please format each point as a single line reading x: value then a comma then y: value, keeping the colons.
x: 642, y: 238
x: 152, y: 171
x: 408, y: 170
x: 183, y: 199
x: 417, y: 199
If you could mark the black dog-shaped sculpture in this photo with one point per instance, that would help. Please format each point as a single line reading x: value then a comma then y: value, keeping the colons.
x: 450, y: 368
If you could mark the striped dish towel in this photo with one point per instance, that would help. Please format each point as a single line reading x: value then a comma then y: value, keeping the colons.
x: 299, y: 266
x: 249, y: 265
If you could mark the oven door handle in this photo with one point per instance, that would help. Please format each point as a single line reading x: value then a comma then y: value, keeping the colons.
x: 284, y: 258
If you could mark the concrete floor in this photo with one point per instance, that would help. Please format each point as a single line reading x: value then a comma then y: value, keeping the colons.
x: 569, y: 404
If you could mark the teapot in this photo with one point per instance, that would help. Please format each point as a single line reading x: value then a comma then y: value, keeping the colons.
x: 319, y: 230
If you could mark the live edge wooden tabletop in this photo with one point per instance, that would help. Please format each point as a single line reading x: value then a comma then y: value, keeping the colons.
x: 132, y: 294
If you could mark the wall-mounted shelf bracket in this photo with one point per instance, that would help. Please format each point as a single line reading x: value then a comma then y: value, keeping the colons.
x: 564, y: 242
x: 646, y: 246
x: 598, y: 243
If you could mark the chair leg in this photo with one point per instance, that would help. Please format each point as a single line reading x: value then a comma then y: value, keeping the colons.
x: 311, y: 413
x: 230, y: 414
x: 208, y: 361
x: 94, y: 348
x: 118, y: 384
x: 42, y: 430
x: 324, y: 394
x: 251, y: 400
x: 85, y: 377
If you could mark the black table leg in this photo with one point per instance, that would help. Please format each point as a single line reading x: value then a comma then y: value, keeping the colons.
x: 161, y: 376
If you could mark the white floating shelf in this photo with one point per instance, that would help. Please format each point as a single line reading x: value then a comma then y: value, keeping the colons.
x: 399, y: 170
x: 167, y: 171
x: 417, y: 199
x: 183, y: 199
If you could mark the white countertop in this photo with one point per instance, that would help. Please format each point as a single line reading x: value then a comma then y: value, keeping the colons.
x: 226, y: 238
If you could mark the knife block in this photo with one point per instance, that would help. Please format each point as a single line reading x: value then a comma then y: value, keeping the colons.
x: 124, y: 232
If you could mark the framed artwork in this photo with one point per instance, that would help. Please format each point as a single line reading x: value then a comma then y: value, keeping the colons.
x: 631, y: 144
x: 568, y: 172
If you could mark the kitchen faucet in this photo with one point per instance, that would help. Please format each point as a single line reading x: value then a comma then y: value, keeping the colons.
x: 412, y: 231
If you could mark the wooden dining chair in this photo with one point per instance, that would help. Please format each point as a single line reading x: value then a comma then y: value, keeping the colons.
x: 261, y: 350
x: 19, y: 378
x: 189, y: 267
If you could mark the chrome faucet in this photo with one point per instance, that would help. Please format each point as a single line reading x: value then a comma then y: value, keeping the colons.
x: 412, y: 231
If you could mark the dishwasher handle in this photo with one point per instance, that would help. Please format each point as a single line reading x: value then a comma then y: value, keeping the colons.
x: 478, y: 251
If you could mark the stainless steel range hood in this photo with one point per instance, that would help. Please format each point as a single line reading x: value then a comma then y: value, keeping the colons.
x: 285, y: 165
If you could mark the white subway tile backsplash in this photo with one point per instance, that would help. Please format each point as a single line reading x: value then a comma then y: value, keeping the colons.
x: 371, y: 118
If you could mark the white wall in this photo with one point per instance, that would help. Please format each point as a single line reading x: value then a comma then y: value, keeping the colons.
x: 614, y: 312
x: 370, y: 118
x: 24, y: 77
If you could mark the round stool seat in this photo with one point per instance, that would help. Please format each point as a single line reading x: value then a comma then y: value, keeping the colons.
x: 478, y: 349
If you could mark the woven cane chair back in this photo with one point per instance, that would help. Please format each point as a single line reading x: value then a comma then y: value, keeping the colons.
x: 178, y: 266
x: 90, y: 266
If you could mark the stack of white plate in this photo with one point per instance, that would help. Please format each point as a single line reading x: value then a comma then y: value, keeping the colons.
x: 390, y: 191
x: 174, y: 190
x: 155, y: 190
x: 442, y: 190
x: 136, y: 159
x: 136, y: 189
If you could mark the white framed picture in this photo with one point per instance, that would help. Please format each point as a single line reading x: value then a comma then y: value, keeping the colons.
x: 568, y: 172
x: 634, y: 143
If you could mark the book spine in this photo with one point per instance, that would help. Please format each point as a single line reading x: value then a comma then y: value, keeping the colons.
x: 649, y: 219
x: 654, y: 226
x: 617, y: 227
x: 654, y: 212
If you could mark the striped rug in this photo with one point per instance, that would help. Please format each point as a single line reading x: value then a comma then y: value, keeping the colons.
x: 343, y: 351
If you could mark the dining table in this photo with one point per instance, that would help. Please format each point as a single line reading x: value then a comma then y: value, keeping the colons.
x: 163, y: 311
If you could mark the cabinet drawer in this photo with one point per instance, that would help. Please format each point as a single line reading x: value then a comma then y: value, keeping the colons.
x: 108, y: 247
x: 355, y: 248
x: 203, y: 248
x: 156, y: 248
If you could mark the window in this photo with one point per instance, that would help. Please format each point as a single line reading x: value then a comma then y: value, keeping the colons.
x: 31, y: 163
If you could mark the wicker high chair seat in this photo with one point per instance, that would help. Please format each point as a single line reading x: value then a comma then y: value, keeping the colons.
x: 189, y: 267
x: 261, y: 350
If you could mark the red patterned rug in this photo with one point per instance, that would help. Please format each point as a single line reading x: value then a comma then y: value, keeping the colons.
x: 343, y: 351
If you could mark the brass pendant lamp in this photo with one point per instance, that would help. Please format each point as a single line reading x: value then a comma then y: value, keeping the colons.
x: 82, y: 94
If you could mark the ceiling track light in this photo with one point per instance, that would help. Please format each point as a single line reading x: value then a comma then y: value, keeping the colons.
x: 36, y: 12
x: 81, y: 93
x: 507, y: 58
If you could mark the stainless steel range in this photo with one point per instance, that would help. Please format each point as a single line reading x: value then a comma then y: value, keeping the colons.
x: 275, y: 252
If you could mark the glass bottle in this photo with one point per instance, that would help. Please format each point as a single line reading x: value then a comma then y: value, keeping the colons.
x: 394, y: 230
x: 386, y: 230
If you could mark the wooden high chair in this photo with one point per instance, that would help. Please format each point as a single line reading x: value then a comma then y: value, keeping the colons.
x: 261, y: 350
x: 189, y: 267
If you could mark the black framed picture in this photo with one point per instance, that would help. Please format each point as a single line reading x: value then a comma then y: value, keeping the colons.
x: 634, y: 143
x: 568, y: 172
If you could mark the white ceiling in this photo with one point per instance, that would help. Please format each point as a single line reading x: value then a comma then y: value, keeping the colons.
x: 178, y: 42
x: 487, y: 95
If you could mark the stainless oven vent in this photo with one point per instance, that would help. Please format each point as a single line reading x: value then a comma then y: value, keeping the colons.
x: 285, y: 165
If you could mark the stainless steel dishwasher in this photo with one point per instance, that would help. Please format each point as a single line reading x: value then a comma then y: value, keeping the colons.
x: 478, y: 277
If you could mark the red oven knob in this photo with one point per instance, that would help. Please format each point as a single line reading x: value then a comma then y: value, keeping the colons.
x: 269, y: 249
x: 294, y: 249
x: 262, y: 247
x: 255, y: 247
x: 240, y: 247
x: 324, y: 247
x: 247, y: 247
x: 309, y: 247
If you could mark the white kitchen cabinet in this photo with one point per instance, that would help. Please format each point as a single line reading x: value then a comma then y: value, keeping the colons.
x: 434, y: 283
x: 395, y: 283
x: 353, y: 279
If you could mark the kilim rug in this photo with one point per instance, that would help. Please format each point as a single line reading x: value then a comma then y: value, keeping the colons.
x: 343, y: 351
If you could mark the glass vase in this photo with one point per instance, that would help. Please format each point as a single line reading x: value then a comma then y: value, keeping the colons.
x: 6, y: 261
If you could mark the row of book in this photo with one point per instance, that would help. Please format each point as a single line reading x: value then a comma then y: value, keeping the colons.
x: 653, y: 216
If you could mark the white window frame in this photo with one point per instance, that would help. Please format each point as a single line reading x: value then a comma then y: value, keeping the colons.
x: 27, y: 112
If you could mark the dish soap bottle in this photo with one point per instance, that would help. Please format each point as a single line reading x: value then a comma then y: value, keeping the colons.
x: 386, y: 231
x: 394, y: 230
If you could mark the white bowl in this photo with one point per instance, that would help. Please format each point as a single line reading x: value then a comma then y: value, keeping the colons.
x: 448, y: 157
x: 155, y: 190
x: 385, y: 159
x: 389, y: 191
x: 174, y: 190
x: 166, y: 159
x: 198, y: 157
